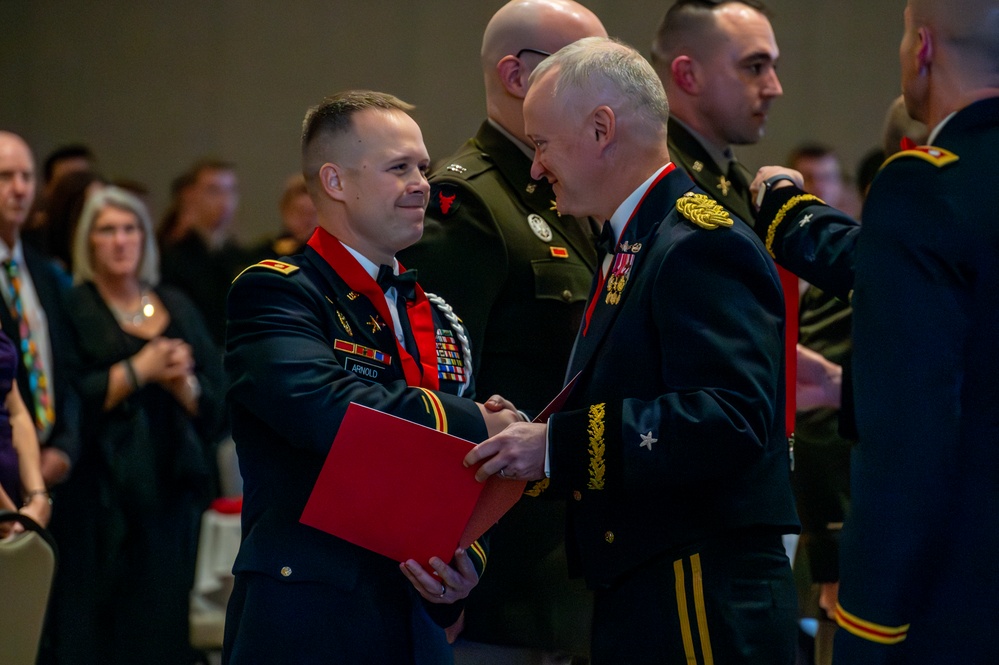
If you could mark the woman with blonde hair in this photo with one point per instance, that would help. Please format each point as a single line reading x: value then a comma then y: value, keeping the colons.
x: 151, y: 384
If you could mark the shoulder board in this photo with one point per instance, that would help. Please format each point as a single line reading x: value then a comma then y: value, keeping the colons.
x: 928, y: 153
x: 272, y: 264
x: 703, y: 211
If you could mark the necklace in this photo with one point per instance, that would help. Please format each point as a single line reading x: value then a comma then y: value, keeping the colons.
x: 136, y: 317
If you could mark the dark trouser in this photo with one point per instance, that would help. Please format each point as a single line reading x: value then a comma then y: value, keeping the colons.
x: 727, y: 600
x: 272, y: 621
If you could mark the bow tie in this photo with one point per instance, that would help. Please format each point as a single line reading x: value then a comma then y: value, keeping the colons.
x: 606, y: 241
x: 404, y: 283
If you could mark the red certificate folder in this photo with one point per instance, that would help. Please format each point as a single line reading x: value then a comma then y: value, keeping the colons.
x: 400, y: 489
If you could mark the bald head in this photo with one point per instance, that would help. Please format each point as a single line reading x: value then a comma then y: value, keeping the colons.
x: 17, y: 185
x: 517, y: 38
x: 949, y: 56
x: 969, y: 27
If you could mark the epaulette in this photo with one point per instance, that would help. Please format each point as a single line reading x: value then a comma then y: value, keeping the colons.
x: 271, y: 264
x: 703, y: 211
x: 939, y: 157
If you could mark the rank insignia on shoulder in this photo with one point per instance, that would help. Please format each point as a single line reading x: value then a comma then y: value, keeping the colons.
x: 937, y: 156
x: 703, y: 211
x: 455, y: 168
x: 272, y: 264
x: 444, y: 199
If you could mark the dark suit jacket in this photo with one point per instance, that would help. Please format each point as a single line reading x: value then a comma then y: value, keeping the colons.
x: 674, y: 430
x: 289, y: 391
x: 50, y: 286
x: 520, y: 288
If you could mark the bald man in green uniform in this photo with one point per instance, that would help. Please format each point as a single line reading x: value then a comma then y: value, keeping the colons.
x: 519, y: 274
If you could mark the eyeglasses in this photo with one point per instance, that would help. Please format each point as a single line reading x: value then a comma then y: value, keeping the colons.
x: 532, y: 50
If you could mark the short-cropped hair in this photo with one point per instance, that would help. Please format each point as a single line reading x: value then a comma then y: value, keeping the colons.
x: 334, y: 115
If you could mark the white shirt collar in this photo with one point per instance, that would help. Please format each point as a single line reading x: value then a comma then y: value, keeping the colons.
x: 627, y: 208
x: 369, y: 266
x: 936, y: 130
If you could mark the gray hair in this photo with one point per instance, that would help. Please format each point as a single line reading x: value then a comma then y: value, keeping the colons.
x: 114, y: 197
x: 599, y: 63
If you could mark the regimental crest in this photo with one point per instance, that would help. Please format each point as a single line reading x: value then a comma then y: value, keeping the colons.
x: 450, y: 365
x: 540, y: 227
x: 703, y: 211
x: 344, y: 323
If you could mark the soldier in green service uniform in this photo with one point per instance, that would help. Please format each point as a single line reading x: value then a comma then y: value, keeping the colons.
x: 519, y: 274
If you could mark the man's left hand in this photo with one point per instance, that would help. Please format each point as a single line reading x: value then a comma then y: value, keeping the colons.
x: 452, y: 583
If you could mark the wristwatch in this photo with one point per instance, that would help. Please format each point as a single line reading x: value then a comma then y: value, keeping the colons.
x: 769, y: 183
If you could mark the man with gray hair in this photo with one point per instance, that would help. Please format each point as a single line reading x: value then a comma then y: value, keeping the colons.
x: 671, y: 443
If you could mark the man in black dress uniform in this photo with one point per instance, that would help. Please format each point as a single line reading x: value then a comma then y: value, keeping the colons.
x: 671, y: 443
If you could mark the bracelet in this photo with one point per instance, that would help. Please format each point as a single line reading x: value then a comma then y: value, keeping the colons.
x: 31, y: 494
x: 130, y: 371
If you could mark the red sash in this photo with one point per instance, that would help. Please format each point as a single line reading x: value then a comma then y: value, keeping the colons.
x: 421, y: 319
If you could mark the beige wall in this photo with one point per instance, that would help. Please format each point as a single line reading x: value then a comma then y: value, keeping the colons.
x: 153, y: 85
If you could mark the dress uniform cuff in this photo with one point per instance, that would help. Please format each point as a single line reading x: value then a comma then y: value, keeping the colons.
x: 580, y: 468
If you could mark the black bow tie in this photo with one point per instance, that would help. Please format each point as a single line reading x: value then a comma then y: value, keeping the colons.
x: 607, y: 240
x: 404, y: 283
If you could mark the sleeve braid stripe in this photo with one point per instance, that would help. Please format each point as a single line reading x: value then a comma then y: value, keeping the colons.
x: 781, y: 214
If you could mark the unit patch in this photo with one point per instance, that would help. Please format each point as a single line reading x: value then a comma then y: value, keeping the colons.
x: 444, y: 199
x: 703, y: 211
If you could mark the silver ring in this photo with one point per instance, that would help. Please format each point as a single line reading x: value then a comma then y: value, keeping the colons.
x: 443, y: 590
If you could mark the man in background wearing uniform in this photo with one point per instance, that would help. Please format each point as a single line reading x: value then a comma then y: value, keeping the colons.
x: 671, y: 442
x: 518, y: 274
x: 918, y: 580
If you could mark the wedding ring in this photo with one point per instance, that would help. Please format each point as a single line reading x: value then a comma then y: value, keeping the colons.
x: 443, y: 590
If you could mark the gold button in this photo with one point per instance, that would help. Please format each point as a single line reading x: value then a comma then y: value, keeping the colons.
x: 577, y: 495
x: 567, y: 295
x: 609, y: 536
x: 286, y: 572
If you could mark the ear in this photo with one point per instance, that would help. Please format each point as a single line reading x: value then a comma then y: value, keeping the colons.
x: 513, y: 75
x: 331, y: 181
x: 684, y: 72
x: 603, y: 124
x: 925, y: 53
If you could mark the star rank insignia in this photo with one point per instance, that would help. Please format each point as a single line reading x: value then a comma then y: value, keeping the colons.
x: 647, y: 441
x: 805, y: 220
x: 375, y: 324
x: 456, y: 168
x: 723, y: 185
x: 698, y: 166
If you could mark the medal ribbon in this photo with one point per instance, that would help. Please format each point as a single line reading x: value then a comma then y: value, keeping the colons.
x: 421, y: 320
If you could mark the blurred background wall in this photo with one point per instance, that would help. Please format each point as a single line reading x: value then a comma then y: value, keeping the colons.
x: 151, y: 86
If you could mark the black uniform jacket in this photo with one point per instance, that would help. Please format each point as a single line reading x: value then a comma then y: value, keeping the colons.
x: 674, y: 430
x: 301, y: 345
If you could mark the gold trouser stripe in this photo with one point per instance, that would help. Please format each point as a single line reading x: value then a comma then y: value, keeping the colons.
x: 681, y: 608
x: 702, y: 618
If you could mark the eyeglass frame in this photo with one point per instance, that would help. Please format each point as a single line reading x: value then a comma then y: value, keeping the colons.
x: 532, y: 50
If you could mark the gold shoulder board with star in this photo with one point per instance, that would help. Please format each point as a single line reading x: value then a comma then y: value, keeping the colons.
x: 272, y: 264
x: 932, y: 154
x: 703, y: 211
